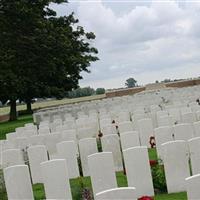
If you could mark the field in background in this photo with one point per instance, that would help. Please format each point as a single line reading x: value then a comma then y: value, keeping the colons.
x: 50, y: 103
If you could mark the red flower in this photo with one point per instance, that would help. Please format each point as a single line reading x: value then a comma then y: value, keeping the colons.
x: 145, y: 198
x: 153, y: 162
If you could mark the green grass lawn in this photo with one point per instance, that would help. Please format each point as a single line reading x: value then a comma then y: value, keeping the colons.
x: 7, y: 127
x: 152, y: 154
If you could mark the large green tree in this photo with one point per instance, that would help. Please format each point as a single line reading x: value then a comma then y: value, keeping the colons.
x: 41, y: 55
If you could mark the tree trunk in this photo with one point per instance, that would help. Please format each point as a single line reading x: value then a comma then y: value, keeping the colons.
x: 13, y: 110
x: 28, y: 107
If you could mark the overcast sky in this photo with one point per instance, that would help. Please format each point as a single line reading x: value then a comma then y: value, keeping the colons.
x: 147, y: 40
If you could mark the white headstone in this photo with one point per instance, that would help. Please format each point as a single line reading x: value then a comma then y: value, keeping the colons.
x: 125, y: 193
x: 50, y: 142
x: 111, y: 143
x: 194, y: 147
x: 130, y: 139
x: 21, y: 143
x: 68, y: 150
x: 125, y: 127
x: 138, y: 170
x: 85, y: 133
x: 44, y: 130
x: 36, y: 154
x: 12, y: 157
x: 164, y: 121
x: 102, y: 171
x: 175, y: 158
x: 109, y: 129
x: 36, y: 140
x: 188, y: 117
x: 55, y: 179
x: 18, y: 182
x: 162, y: 134
x: 197, y: 129
x: 183, y: 132
x: 145, y: 131
x: 87, y: 147
x: 192, y: 186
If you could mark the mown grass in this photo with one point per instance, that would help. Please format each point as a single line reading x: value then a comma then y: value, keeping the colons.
x: 152, y: 154
x: 7, y: 127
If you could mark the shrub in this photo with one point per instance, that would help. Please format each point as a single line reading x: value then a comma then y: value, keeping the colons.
x: 100, y: 91
x: 158, y: 175
x: 81, y: 92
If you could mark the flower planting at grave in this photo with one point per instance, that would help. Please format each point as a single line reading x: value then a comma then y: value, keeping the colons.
x: 145, y: 198
x: 158, y: 175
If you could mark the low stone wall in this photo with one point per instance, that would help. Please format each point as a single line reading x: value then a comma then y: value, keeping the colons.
x: 118, y: 93
x: 185, y: 83
x: 130, y: 91
x: 4, y: 118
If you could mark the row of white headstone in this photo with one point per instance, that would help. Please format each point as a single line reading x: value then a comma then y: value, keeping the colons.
x: 175, y: 158
x: 109, y: 142
x: 162, y: 134
x: 56, y: 181
x: 180, y: 97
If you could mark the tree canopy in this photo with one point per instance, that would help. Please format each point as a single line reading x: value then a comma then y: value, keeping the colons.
x: 100, y: 91
x: 41, y: 55
x: 131, y: 82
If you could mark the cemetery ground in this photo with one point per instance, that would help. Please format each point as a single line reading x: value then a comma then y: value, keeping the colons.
x: 82, y: 185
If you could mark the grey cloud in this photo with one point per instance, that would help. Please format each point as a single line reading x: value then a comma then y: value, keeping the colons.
x: 148, y: 41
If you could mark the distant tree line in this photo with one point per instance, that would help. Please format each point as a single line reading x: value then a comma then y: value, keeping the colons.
x: 83, y: 92
x: 168, y: 80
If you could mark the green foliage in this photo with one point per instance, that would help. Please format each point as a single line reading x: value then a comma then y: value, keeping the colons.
x: 41, y: 54
x: 131, y: 82
x: 81, y: 92
x: 167, y: 80
x: 152, y: 154
x: 100, y: 91
x: 39, y: 191
x: 158, y: 176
